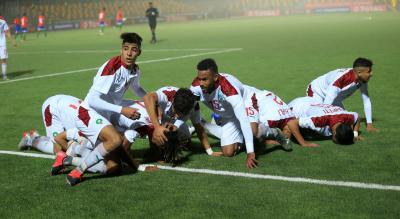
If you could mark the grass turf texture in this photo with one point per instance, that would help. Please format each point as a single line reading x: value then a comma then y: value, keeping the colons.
x: 281, y: 54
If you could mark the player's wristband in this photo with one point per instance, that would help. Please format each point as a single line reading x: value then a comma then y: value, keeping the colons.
x: 209, y: 151
x: 355, y: 134
x: 178, y: 123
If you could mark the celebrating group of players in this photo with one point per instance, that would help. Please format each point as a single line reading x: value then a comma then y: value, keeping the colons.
x: 95, y: 134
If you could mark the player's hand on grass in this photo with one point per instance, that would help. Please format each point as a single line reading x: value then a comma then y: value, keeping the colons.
x: 371, y: 128
x: 131, y: 113
x: 217, y: 154
x: 251, y: 161
x: 159, y: 137
x: 151, y: 168
x: 358, y: 138
x: 309, y: 144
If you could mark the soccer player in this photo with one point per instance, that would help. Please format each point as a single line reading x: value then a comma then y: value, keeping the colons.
x: 223, y: 94
x: 4, y: 32
x: 24, y: 26
x: 41, y: 25
x: 270, y: 117
x: 325, y: 120
x: 105, y: 98
x: 333, y: 87
x: 119, y: 19
x: 102, y: 23
x: 152, y: 14
x: 174, y: 105
x: 17, y: 24
x: 58, y: 113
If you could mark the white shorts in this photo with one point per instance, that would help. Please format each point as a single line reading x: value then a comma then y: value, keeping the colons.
x: 231, y: 132
x: 3, y: 52
x: 90, y: 123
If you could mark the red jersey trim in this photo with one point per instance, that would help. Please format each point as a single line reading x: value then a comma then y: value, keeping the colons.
x: 113, y: 65
x: 196, y: 82
x: 48, y: 118
x: 83, y: 115
x: 254, y: 102
x: 226, y: 87
x: 279, y: 123
x: 345, y: 80
x: 170, y: 94
x: 331, y: 120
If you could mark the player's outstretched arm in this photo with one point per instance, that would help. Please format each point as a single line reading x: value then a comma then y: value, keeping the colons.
x: 202, y: 135
x: 295, y: 130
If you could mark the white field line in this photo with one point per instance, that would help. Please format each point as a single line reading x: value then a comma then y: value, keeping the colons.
x: 111, y: 51
x: 246, y: 175
x: 140, y: 62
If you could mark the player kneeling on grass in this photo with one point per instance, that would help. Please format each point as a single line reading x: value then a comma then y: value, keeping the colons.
x: 325, y: 120
x: 335, y: 86
x: 58, y: 114
x: 224, y: 95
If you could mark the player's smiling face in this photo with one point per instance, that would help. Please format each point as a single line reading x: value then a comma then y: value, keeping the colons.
x: 129, y: 53
x: 207, y: 80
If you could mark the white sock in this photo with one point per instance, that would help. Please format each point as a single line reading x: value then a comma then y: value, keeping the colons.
x: 4, y: 70
x: 100, y: 167
x: 43, y: 144
x: 266, y: 132
x: 213, y: 129
x: 71, y: 148
x: 93, y: 158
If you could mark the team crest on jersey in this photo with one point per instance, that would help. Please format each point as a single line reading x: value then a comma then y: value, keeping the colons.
x: 220, y: 96
x: 99, y: 121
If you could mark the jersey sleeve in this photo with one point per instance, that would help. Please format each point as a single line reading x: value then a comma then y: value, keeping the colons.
x: 366, y: 102
x: 331, y: 94
x: 136, y: 88
x: 103, y: 81
x: 237, y: 104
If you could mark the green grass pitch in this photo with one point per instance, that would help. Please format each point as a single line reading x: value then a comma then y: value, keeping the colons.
x: 280, y: 54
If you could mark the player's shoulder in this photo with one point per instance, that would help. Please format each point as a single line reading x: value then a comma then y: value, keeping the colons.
x: 344, y: 77
x: 169, y: 92
x: 229, y: 84
x: 111, y: 66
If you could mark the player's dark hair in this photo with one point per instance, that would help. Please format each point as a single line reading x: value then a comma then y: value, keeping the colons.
x: 183, y: 101
x: 362, y: 62
x: 207, y: 64
x: 131, y: 38
x: 344, y: 134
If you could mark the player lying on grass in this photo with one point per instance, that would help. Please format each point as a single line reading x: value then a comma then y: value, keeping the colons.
x: 335, y: 86
x: 325, y: 120
x: 175, y: 106
x: 270, y: 117
x: 223, y: 94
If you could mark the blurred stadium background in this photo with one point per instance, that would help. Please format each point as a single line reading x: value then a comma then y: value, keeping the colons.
x: 61, y: 14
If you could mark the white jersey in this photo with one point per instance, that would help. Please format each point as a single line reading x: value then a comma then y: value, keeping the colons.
x: 59, y: 114
x: 142, y: 125
x: 112, y: 80
x: 227, y: 100
x: 165, y: 96
x: 320, y: 117
x: 3, y: 29
x: 268, y: 109
x: 333, y: 87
